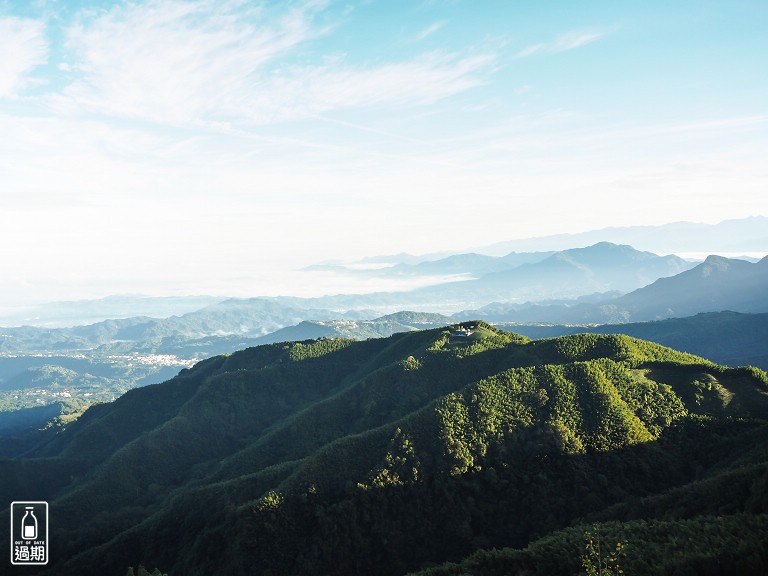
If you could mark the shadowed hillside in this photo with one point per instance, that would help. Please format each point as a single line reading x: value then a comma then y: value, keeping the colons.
x: 387, y: 455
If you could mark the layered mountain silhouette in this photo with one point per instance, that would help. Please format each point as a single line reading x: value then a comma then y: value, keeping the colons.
x: 386, y: 456
x: 73, y: 367
x: 383, y: 326
x: 520, y: 277
x: 738, y: 235
x: 602, y: 267
x: 714, y: 285
x: 250, y: 317
x: 469, y: 264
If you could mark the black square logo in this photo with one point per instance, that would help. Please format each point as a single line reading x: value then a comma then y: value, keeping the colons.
x: 29, y: 533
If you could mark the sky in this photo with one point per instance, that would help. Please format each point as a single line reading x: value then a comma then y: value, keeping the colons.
x: 172, y: 147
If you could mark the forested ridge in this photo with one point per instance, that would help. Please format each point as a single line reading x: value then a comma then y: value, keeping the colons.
x: 489, y: 451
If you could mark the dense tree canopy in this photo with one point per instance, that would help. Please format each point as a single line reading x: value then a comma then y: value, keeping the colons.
x: 393, y: 455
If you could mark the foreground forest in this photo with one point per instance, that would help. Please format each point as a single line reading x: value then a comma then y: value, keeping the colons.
x: 436, y: 451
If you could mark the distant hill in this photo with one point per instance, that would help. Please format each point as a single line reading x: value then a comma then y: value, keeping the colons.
x: 240, y: 317
x: 531, y: 276
x: 357, y: 330
x: 387, y: 456
x: 602, y: 267
x: 469, y: 264
x: 466, y: 264
x: 714, y: 285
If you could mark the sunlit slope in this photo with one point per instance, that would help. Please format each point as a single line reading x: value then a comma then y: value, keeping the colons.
x: 334, y: 456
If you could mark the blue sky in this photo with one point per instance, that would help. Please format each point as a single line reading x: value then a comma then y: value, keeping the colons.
x: 171, y: 147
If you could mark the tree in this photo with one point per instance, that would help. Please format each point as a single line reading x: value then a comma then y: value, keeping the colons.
x: 598, y: 559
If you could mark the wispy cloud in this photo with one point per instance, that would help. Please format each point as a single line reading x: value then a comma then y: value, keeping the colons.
x: 424, y: 80
x: 178, y: 61
x: 207, y: 62
x: 563, y: 43
x: 22, y: 48
x: 530, y: 50
x: 431, y: 29
x: 571, y: 41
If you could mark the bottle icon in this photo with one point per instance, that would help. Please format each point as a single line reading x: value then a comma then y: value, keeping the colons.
x: 29, y: 524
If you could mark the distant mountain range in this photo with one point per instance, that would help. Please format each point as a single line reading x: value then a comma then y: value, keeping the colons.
x: 357, y: 330
x: 469, y: 264
x: 729, y: 237
x: 241, y: 317
x: 736, y: 236
x: 602, y: 267
x: 716, y: 284
x: 74, y: 367
x: 519, y: 277
x: 493, y: 268
x: 389, y: 456
x: 514, y: 276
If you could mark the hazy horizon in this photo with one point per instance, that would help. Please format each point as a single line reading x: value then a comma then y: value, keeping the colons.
x: 190, y: 147
x: 304, y: 282
x: 344, y: 278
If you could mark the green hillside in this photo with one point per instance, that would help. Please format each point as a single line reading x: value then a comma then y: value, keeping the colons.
x: 394, y: 455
